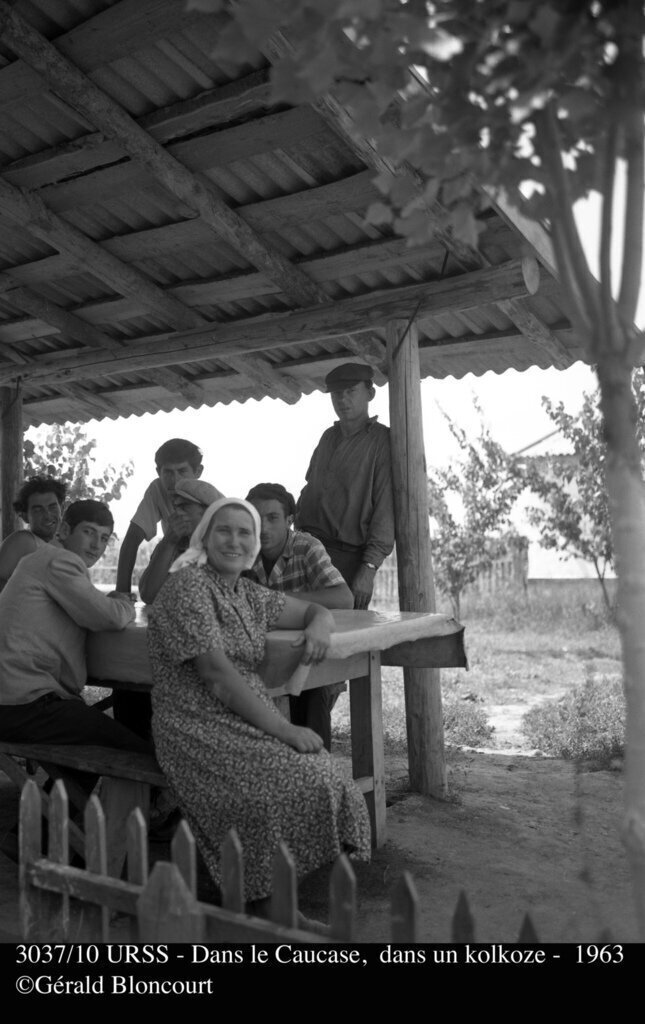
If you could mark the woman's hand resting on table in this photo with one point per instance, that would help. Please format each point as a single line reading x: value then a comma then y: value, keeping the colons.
x: 304, y: 740
x: 316, y: 639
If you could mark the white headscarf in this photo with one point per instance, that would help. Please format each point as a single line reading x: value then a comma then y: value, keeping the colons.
x: 196, y: 553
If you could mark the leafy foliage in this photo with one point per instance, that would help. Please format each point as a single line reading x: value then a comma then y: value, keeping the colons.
x: 66, y: 453
x: 574, y: 516
x: 471, y: 503
x: 588, y: 724
x: 454, y: 89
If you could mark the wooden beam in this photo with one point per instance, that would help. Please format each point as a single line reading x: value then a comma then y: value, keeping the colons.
x: 11, y: 454
x: 533, y: 233
x: 359, y: 314
x: 374, y: 257
x: 80, y: 92
x: 424, y: 717
x: 350, y: 194
x: 96, y: 106
x: 119, y: 31
x: 97, y: 405
x: 240, y: 100
x: 260, y: 371
x: 536, y: 331
x: 72, y: 325
x: 204, y: 153
x: 30, y: 212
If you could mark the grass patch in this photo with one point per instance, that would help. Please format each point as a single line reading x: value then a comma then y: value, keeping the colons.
x: 524, y: 648
x: 464, y: 720
x: 465, y: 723
x: 587, y: 724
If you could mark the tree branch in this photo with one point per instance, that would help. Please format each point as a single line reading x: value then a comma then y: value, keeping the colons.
x: 633, y: 234
x: 548, y: 140
x: 608, y: 175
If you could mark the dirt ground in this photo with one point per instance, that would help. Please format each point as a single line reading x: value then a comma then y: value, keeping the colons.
x: 519, y: 834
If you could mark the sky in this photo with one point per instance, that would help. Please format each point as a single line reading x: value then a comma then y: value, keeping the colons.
x: 244, y: 444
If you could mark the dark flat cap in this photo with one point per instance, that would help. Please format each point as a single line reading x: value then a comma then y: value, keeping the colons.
x: 348, y: 374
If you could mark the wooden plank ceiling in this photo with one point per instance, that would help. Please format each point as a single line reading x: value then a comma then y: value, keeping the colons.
x: 171, y: 238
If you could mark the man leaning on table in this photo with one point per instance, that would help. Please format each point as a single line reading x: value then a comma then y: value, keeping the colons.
x: 347, y: 500
x: 46, y: 609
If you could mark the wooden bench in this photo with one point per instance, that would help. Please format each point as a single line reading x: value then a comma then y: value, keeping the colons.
x: 127, y: 778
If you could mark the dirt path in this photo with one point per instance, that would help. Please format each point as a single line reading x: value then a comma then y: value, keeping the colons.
x: 520, y: 834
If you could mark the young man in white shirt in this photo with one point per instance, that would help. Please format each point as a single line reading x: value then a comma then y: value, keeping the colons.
x: 46, y: 609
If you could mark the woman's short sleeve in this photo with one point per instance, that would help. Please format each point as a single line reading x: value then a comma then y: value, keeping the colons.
x: 183, y: 618
x: 267, y: 604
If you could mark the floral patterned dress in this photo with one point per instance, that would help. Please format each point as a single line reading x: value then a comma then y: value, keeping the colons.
x: 225, y: 772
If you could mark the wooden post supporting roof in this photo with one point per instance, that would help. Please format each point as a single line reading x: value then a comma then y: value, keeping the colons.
x: 11, y: 454
x: 424, y: 719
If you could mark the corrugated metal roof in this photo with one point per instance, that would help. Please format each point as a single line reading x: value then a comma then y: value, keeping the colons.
x: 117, y: 297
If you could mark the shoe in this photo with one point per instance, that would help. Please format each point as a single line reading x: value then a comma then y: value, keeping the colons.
x: 162, y: 830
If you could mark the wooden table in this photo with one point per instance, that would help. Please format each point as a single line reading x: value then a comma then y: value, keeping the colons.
x: 361, y: 642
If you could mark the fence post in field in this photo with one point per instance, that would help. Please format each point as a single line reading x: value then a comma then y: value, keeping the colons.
x: 136, y: 858
x: 96, y: 919
x: 137, y: 848
x: 404, y: 910
x: 55, y: 906
x: 463, y: 923
x: 527, y: 931
x: 30, y: 840
x: 183, y: 851
x: 342, y: 901
x: 167, y: 910
x: 284, y: 898
x: 232, y: 872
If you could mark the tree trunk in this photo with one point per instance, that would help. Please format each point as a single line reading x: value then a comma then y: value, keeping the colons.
x: 626, y: 493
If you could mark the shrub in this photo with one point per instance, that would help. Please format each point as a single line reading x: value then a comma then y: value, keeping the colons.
x: 587, y: 724
x: 465, y: 723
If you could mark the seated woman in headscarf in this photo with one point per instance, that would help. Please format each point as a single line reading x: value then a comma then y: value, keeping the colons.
x: 231, y: 758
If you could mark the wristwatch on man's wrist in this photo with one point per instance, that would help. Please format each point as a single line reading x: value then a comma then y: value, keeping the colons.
x: 370, y: 565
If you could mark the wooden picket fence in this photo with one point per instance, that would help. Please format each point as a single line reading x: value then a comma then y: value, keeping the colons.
x: 63, y: 903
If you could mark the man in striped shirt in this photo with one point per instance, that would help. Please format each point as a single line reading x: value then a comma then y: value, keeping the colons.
x: 298, y: 564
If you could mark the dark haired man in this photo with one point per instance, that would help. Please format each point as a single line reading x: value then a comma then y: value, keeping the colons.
x: 39, y: 502
x: 46, y: 609
x: 297, y: 563
x: 175, y: 460
x: 347, y: 500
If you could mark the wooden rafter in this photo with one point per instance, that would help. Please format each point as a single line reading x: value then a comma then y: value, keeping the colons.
x: 364, y: 259
x: 116, y: 33
x: 257, y: 334
x: 80, y: 92
x: 213, y: 107
x: 87, y: 334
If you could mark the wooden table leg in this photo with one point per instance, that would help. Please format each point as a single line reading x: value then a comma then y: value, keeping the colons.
x: 368, y: 760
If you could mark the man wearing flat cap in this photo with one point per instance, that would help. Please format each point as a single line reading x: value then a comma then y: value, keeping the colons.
x: 347, y: 503
x: 347, y: 500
